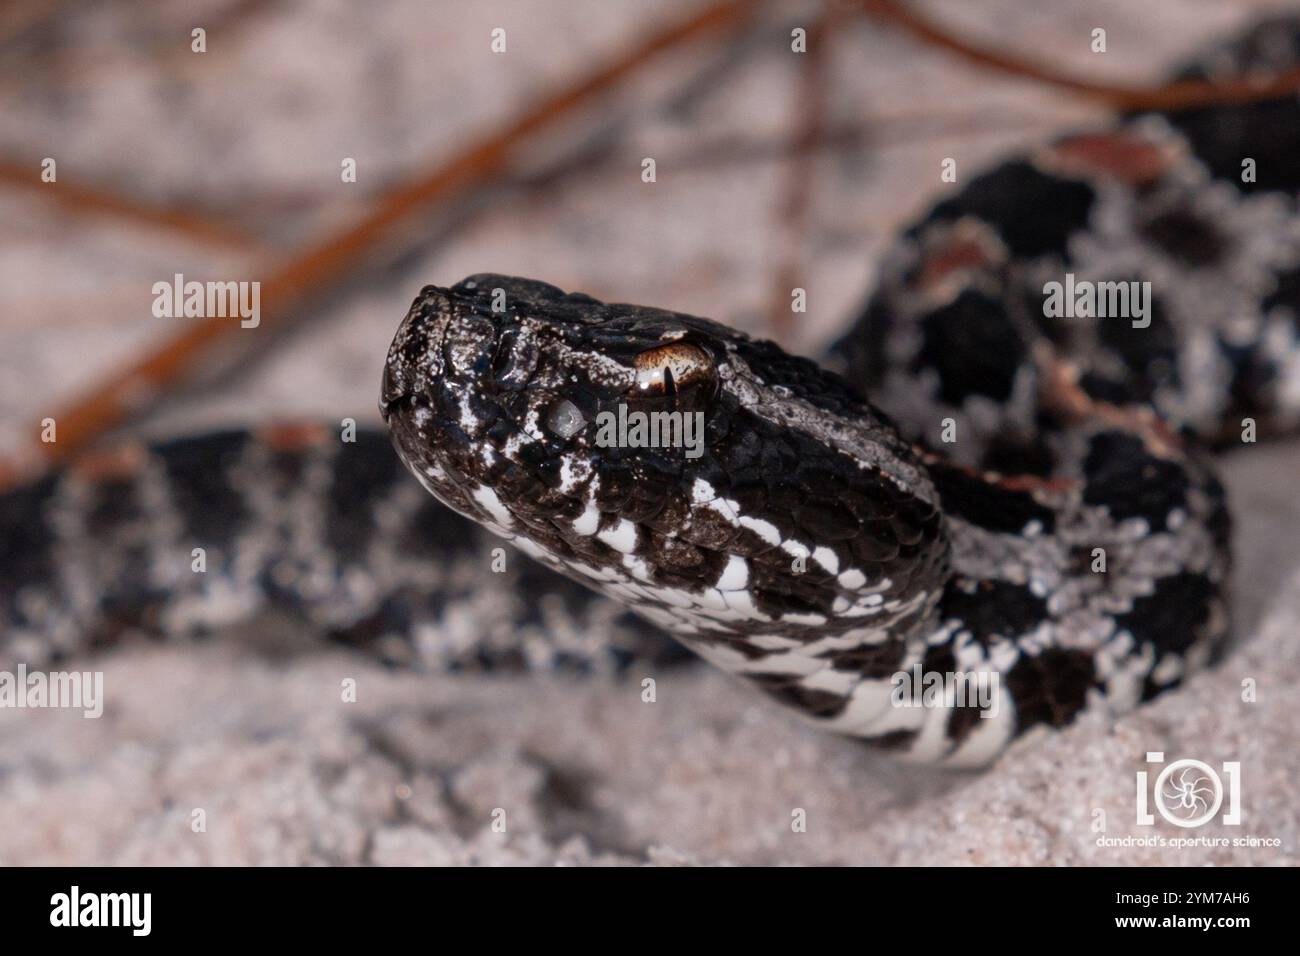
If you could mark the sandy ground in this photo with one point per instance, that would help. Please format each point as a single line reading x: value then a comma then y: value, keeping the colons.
x: 418, y: 768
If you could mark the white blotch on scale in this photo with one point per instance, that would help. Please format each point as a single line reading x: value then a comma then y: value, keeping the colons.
x: 587, y: 522
x: 486, y: 497
x: 827, y: 559
x: 764, y: 529
x: 852, y: 579
x: 735, y: 575
x: 621, y: 537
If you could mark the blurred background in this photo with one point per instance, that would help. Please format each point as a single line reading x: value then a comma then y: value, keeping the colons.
x: 773, y: 170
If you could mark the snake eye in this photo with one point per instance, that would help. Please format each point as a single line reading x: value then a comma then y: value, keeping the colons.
x: 680, y: 373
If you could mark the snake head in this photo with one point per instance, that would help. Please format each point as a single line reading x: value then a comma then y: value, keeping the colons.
x: 711, y: 481
x: 508, y: 395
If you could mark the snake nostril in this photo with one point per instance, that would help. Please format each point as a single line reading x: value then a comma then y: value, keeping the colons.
x: 392, y: 390
x: 514, y: 360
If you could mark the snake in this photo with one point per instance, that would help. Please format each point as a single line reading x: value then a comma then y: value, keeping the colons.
x: 1002, y: 472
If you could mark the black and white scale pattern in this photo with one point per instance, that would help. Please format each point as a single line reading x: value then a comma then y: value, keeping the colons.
x: 331, y: 534
x: 819, y: 545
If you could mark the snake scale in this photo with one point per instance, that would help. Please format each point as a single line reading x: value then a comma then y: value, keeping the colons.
x: 1027, y: 497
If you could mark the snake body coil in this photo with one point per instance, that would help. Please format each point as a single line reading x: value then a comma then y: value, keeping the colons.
x: 1026, y: 504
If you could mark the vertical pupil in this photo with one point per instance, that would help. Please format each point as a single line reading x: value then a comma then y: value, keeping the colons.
x: 675, y: 372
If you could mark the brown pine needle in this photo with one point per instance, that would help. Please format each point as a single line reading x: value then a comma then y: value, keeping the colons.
x: 85, y: 199
x: 1180, y: 95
